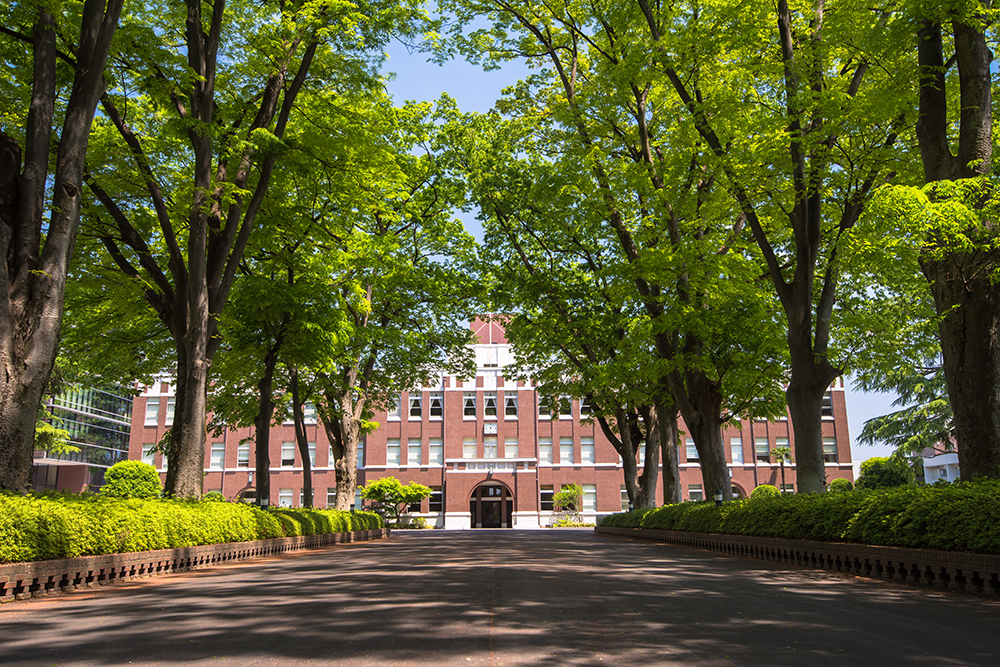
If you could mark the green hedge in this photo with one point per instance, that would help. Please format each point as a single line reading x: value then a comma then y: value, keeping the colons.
x: 958, y: 517
x: 45, y: 526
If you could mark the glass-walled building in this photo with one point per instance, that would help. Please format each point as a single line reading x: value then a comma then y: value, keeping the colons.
x: 99, y: 421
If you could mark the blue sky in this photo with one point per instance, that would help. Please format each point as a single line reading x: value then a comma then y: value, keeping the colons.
x: 476, y: 90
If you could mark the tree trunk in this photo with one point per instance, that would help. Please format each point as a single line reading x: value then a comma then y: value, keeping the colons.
x: 641, y: 489
x: 700, y: 401
x: 186, y: 455
x: 961, y: 280
x: 667, y: 422
x: 342, y: 423
x: 805, y: 406
x: 262, y: 425
x: 298, y: 419
x: 970, y: 347
x: 33, y: 272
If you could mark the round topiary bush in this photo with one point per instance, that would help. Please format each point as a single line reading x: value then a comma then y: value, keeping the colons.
x: 214, y: 497
x: 765, y: 491
x: 840, y: 485
x: 131, y: 479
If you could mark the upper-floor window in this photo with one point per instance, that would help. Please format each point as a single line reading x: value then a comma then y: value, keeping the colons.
x: 287, y: 454
x: 468, y: 404
x: 152, y: 411
x: 830, y: 450
x: 217, y: 458
x: 543, y: 407
x: 490, y: 404
x: 394, y: 410
x: 415, y: 406
x: 565, y: 407
x: 762, y: 450
x: 510, y: 406
x: 436, y: 399
x: 691, y: 451
x: 168, y: 417
x: 243, y: 455
x: 737, y: 447
x: 828, y: 404
x: 585, y: 408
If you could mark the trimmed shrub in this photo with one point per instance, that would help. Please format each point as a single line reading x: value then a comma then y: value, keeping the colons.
x: 959, y: 517
x: 765, y: 491
x: 840, y: 484
x: 131, y: 479
x: 45, y: 526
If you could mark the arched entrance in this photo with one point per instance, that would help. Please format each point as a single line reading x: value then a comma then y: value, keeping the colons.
x: 491, y: 505
x: 738, y: 492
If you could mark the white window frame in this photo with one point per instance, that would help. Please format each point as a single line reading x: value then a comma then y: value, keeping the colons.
x: 566, y: 454
x: 395, y: 410
x: 243, y: 448
x: 168, y: 417
x: 435, y: 403
x: 545, y: 451
x: 469, y: 405
x: 589, y: 497
x: 470, y: 448
x: 287, y: 447
x: 490, y: 405
x: 588, y: 450
x: 286, y: 497
x: 510, y: 448
x: 416, y: 405
x: 510, y: 406
x: 736, y: 446
x: 393, y: 451
x: 414, y: 452
x: 491, y: 447
x: 152, y: 418
x: 217, y: 455
x: 435, y: 452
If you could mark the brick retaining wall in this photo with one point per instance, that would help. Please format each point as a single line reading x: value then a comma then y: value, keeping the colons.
x: 960, y: 571
x: 23, y: 580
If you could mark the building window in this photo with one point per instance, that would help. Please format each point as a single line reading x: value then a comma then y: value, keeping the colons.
x: 469, y: 405
x: 287, y: 454
x: 392, y: 452
x: 490, y: 405
x: 148, y: 455
x: 435, y: 503
x: 218, y: 457
x: 361, y: 455
x: 308, y: 413
x: 736, y: 444
x: 243, y: 455
x: 543, y: 407
x: 152, y: 411
x: 331, y: 496
x: 828, y: 404
x: 394, y: 411
x: 168, y: 417
x: 565, y: 407
x: 695, y: 492
x: 545, y: 451
x: 469, y: 448
x: 510, y: 406
x: 830, y: 450
x: 413, y: 452
x: 788, y: 488
x: 762, y: 450
x: 510, y: 449
x: 545, y: 501
x: 566, y: 451
x: 490, y: 447
x: 435, y: 452
x: 642, y: 454
x: 312, y: 453
x: 585, y: 408
x: 589, y: 497
x: 625, y: 500
x: 302, y: 497
x: 285, y: 497
x: 359, y: 502
x: 587, y: 452
x: 436, y: 399
x: 691, y: 451
x: 415, y: 406
x: 415, y: 508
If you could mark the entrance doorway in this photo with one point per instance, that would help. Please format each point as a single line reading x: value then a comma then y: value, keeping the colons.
x: 491, y: 506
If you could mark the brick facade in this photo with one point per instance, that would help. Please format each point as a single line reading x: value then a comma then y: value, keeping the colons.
x: 470, y: 458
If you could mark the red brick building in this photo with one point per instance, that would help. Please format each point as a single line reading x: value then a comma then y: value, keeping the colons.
x: 493, y: 455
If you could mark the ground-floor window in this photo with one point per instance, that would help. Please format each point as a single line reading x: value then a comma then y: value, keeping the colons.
x: 589, y: 497
x: 625, y: 501
x: 285, y: 497
x: 546, y: 503
x: 695, y: 492
x: 436, y: 501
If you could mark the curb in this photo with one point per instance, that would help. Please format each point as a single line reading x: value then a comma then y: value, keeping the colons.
x: 20, y: 581
x: 953, y: 570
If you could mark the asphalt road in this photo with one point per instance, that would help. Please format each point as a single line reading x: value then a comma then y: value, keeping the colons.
x: 503, y: 598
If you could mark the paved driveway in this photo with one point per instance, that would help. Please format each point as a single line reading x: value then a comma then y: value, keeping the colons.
x: 503, y: 598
